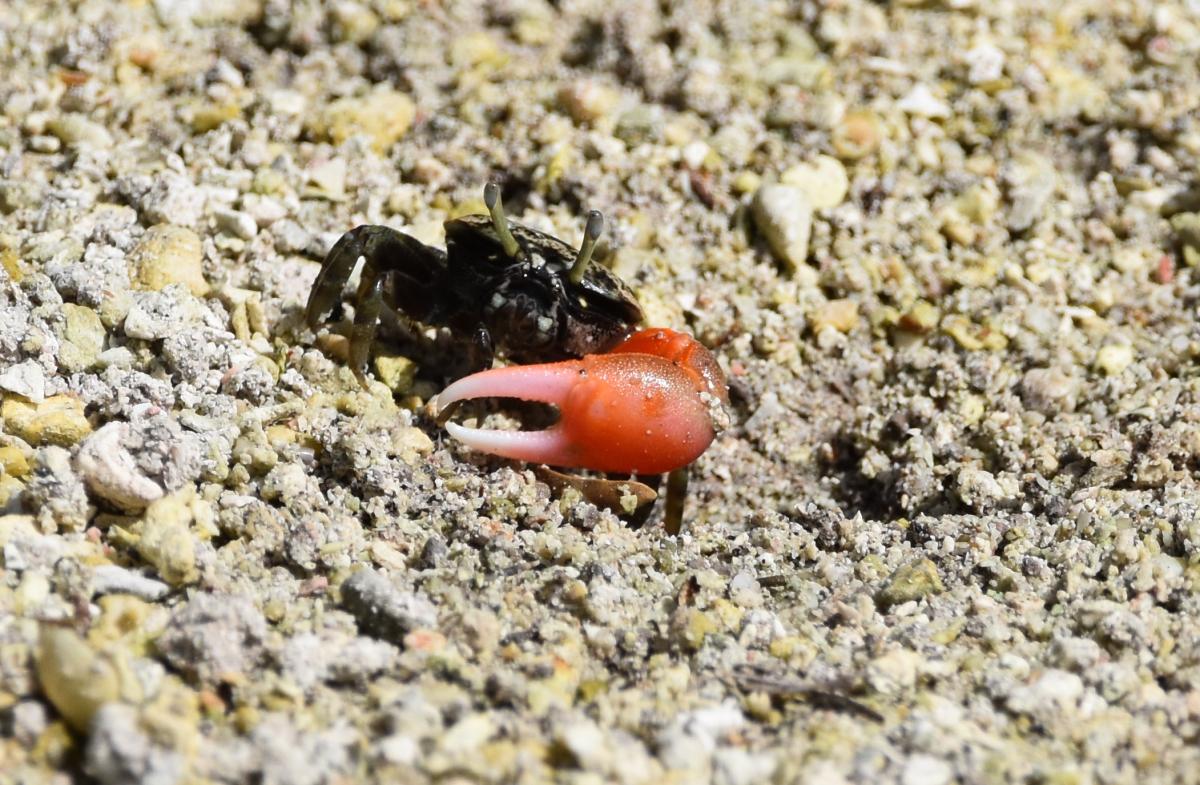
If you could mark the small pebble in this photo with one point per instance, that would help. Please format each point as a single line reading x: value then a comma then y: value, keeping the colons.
x: 396, y: 371
x: 586, y: 101
x: 165, y: 536
x: 75, y: 130
x: 985, y: 62
x: 45, y: 144
x: 328, y: 178
x: 214, y: 636
x: 1049, y: 390
x: 81, y: 340
x: 1052, y: 692
x: 839, y: 315
x: 783, y: 213
x: 237, y: 223
x: 382, y: 610
x: 383, y: 115
x: 76, y: 678
x: 111, y: 579
x: 926, y: 770
x: 121, y: 750
x: 857, y: 135
x: 1031, y: 181
x: 1187, y: 233
x: 920, y: 101
x: 25, y: 379
x: 165, y: 255
x: 823, y: 181
x: 57, y: 420
x: 913, y: 581
x: 1111, y: 360
x: 111, y: 471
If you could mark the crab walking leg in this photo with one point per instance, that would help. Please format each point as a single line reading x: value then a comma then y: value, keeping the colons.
x: 335, y: 271
x: 387, y: 252
x: 366, y: 320
x: 677, y: 485
x: 626, y: 412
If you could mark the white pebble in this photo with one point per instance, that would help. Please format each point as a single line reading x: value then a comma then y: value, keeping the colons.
x: 112, y: 579
x: 237, y: 223
x: 1052, y: 692
x: 783, y: 214
x: 26, y: 379
x: 111, y: 472
x: 985, y: 63
x: 921, y: 102
x: 823, y: 180
x: 926, y: 770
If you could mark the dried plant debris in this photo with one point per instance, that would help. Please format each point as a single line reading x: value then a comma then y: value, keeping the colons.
x: 946, y: 252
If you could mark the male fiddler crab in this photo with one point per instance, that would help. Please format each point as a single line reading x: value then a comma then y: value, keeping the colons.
x: 639, y: 402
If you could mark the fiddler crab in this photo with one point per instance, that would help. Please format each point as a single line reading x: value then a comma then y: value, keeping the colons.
x: 639, y: 402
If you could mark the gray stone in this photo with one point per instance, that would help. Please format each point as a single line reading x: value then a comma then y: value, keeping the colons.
x: 214, y: 636
x: 119, y: 752
x: 382, y: 611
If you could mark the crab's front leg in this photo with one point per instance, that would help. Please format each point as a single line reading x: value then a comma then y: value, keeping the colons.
x: 650, y: 406
x: 417, y: 272
x: 619, y: 413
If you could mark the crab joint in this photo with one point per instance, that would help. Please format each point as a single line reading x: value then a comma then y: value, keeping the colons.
x: 491, y: 198
x: 591, y: 233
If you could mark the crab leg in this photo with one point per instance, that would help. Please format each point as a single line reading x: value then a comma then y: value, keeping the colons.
x: 620, y: 412
x: 366, y: 321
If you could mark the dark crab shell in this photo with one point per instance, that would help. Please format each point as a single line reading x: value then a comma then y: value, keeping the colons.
x: 523, y: 305
x: 529, y: 303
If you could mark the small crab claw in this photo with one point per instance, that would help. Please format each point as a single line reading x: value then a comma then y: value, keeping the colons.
x: 624, y: 411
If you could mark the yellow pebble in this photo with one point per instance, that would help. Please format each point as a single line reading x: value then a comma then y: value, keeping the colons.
x: 841, y: 315
x: 12, y: 461
x: 168, y: 254
x: 58, y: 420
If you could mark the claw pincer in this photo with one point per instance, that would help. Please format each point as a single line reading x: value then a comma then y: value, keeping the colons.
x: 644, y: 407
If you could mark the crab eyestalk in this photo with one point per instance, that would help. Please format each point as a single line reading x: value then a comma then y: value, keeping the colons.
x: 491, y: 198
x: 591, y: 233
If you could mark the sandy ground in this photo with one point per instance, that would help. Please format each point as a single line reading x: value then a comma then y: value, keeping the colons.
x: 946, y: 253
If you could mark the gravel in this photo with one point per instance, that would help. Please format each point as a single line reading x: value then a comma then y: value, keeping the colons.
x: 946, y: 253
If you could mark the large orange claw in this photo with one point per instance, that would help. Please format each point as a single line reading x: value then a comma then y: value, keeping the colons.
x: 646, y: 407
